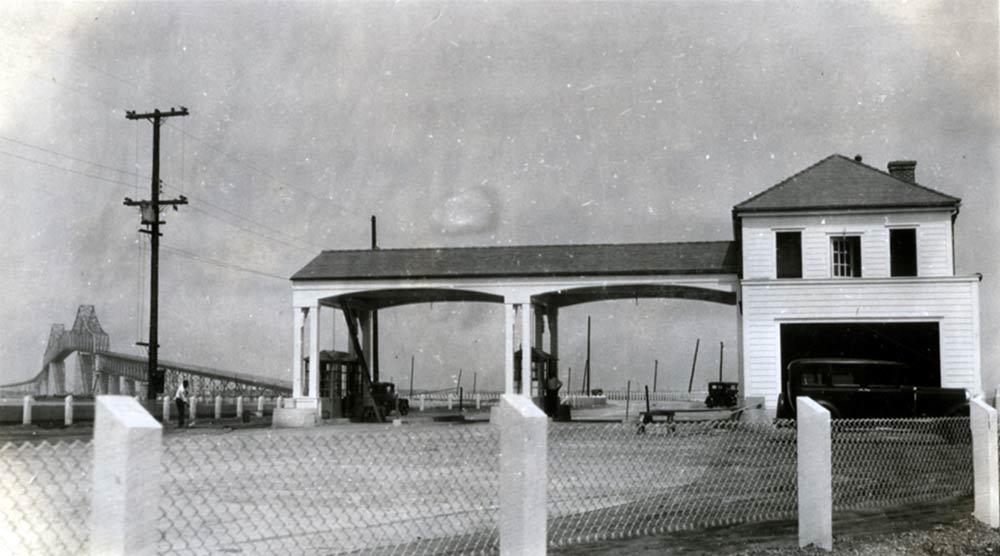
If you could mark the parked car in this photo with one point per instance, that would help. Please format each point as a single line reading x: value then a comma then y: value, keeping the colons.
x: 867, y: 389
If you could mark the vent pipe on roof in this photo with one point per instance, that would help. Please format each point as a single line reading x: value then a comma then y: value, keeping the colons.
x: 905, y: 170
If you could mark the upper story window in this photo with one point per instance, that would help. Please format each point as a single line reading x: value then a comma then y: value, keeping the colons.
x: 903, y: 252
x: 846, y: 252
x: 788, y: 254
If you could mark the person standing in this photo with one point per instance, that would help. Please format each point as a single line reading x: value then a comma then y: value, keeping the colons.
x: 180, y: 398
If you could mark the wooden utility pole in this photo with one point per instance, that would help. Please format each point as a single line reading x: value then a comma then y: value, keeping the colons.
x: 411, y: 376
x: 586, y: 369
x: 375, y: 366
x: 656, y: 370
x: 722, y: 351
x: 150, y: 211
x: 694, y: 364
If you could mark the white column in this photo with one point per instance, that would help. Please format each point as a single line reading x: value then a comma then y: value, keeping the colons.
x: 366, y: 336
x: 218, y: 407
x: 239, y: 407
x: 167, y: 402
x: 526, y: 350
x: 300, y: 313
x: 523, y: 476
x: 314, y: 351
x: 68, y: 410
x: 260, y: 406
x: 193, y: 408
x: 983, y: 420
x: 508, y: 350
x: 126, y: 471
x: 815, y: 474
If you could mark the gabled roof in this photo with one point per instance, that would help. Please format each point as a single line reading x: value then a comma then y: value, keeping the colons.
x: 710, y: 257
x: 838, y: 182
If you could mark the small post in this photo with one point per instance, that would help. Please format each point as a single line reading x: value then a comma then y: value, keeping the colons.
x: 260, y: 406
x: 68, y: 410
x: 983, y: 421
x: 815, y: 475
x: 26, y: 410
x: 279, y: 403
x: 523, y: 475
x: 656, y: 371
x: 461, y: 399
x: 479, y: 400
x: 166, y: 408
x: 450, y: 397
x: 193, y: 408
x: 421, y: 402
x: 218, y: 407
x: 239, y: 407
x: 628, y: 398
x: 126, y: 471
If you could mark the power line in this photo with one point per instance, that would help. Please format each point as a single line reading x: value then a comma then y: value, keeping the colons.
x: 71, y: 157
x: 222, y: 264
x: 64, y: 169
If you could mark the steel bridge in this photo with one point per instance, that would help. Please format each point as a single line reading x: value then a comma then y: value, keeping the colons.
x: 96, y: 370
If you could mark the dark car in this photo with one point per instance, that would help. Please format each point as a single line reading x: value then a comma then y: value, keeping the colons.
x: 867, y: 389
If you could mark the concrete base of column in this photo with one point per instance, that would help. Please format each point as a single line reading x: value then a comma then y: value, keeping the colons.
x: 293, y: 418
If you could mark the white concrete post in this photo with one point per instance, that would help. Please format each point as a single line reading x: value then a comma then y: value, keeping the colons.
x: 479, y: 401
x: 127, y: 451
x: 449, y: 400
x: 815, y: 474
x: 523, y: 476
x: 26, y: 410
x: 193, y: 408
x: 166, y: 407
x: 279, y: 402
x: 218, y: 407
x: 68, y: 410
x: 421, y: 402
x: 260, y: 406
x: 239, y: 407
x: 983, y: 420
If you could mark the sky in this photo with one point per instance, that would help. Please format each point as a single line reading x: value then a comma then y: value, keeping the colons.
x: 457, y: 124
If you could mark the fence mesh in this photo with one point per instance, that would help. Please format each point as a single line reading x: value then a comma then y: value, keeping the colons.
x: 880, y: 463
x: 45, y: 494
x: 611, y: 481
x: 374, y: 490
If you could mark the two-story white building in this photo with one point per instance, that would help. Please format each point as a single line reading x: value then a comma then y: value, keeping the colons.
x: 845, y: 260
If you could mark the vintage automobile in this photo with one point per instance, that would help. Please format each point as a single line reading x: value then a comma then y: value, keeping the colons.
x: 866, y: 389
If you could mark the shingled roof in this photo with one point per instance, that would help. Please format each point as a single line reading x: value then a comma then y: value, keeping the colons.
x: 838, y: 182
x: 713, y: 257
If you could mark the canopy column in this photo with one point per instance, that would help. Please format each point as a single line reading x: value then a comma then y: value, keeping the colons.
x: 552, y: 315
x: 314, y: 336
x: 526, y: 338
x: 509, y: 314
x: 297, y: 357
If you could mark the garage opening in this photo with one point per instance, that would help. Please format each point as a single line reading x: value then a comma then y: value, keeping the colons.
x: 914, y: 343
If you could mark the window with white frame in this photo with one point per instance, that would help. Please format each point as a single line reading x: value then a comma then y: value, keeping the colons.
x: 846, y: 256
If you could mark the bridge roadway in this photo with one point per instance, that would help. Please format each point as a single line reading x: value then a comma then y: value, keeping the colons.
x: 101, y: 371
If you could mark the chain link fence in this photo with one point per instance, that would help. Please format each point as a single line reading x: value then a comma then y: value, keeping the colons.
x: 373, y: 490
x: 433, y: 489
x: 45, y: 492
x: 611, y: 481
x: 881, y: 463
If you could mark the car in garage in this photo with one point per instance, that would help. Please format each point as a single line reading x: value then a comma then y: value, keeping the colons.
x: 867, y: 389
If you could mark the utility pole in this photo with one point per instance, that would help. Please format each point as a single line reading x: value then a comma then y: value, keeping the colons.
x: 374, y: 317
x: 150, y: 212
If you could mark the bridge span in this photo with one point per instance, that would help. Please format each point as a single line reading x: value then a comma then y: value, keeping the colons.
x: 97, y: 370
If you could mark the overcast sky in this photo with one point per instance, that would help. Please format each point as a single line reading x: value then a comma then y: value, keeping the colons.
x: 458, y: 124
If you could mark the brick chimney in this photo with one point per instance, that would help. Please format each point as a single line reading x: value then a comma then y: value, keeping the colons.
x: 905, y: 170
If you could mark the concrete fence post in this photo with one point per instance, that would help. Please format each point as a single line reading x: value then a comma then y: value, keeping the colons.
x: 26, y: 410
x: 166, y: 408
x: 815, y: 474
x: 239, y: 407
x: 422, y: 402
x: 479, y: 401
x: 449, y: 401
x: 983, y: 421
x: 523, y: 476
x: 218, y: 407
x: 126, y: 471
x: 193, y: 408
x: 260, y: 406
x: 68, y: 410
x: 279, y: 403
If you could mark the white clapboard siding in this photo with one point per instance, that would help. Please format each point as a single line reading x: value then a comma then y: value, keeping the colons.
x: 934, y: 245
x: 953, y: 302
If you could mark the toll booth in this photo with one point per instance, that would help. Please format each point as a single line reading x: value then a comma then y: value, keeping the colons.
x: 340, y: 384
x: 543, y: 368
